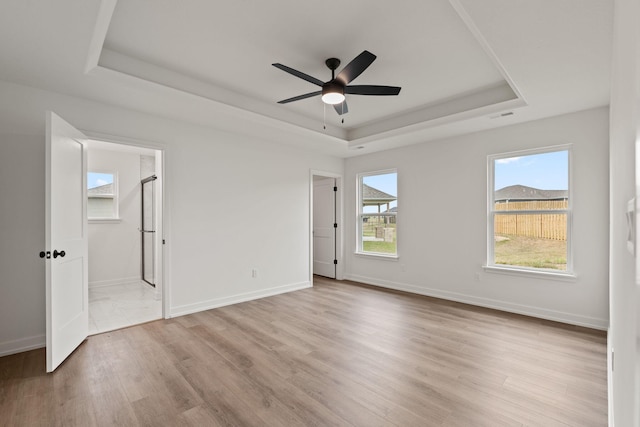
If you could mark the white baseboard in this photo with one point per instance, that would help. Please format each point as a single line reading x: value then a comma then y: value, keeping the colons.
x: 235, y: 299
x: 113, y: 282
x: 542, y: 313
x: 22, y: 344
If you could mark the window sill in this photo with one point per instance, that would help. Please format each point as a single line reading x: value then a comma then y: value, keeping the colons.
x: 538, y: 274
x: 104, y: 220
x: 374, y: 255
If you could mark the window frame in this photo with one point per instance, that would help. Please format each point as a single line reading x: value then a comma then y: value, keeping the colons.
x: 491, y: 212
x: 114, y: 197
x: 359, y: 215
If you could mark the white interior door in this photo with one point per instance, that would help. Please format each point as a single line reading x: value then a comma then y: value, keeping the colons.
x: 66, y: 240
x: 324, y: 232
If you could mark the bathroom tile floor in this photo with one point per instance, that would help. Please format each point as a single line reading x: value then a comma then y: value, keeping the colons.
x: 119, y: 306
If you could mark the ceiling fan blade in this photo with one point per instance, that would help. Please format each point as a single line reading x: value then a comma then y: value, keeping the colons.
x: 355, y: 67
x: 341, y: 108
x: 372, y: 90
x: 299, y: 97
x: 299, y: 74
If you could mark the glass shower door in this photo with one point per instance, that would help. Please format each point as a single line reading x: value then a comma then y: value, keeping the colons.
x: 148, y: 230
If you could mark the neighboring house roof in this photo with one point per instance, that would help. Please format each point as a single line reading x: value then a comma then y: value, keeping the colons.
x: 106, y: 189
x: 373, y: 196
x: 524, y: 193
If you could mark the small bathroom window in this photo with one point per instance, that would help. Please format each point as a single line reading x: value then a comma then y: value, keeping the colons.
x: 102, y: 195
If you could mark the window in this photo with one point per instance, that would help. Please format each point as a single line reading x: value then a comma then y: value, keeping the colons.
x: 102, y: 200
x: 377, y: 210
x: 529, y: 219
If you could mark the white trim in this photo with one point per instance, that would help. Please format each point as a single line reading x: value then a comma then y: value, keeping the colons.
x: 377, y: 255
x: 22, y: 344
x: 527, y: 310
x: 99, y: 33
x: 538, y: 273
x: 114, y: 282
x: 491, y: 265
x: 104, y: 220
x: 235, y: 299
x: 359, y: 213
x: 486, y: 46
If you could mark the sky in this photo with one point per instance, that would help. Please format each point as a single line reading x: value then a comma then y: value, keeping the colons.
x: 97, y: 179
x: 387, y: 183
x: 546, y: 171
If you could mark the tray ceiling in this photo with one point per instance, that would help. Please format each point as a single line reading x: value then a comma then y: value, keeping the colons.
x: 463, y: 65
x: 224, y: 52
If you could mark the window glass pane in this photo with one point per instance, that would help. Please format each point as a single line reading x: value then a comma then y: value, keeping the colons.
x: 379, y: 193
x: 100, y: 183
x: 378, y: 208
x: 100, y: 207
x: 101, y: 193
x: 533, y: 182
x: 379, y: 234
x: 523, y: 185
x: 531, y: 240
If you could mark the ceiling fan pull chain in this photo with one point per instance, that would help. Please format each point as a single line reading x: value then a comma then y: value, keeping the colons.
x: 324, y: 116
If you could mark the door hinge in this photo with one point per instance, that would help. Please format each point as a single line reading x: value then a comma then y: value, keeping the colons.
x: 335, y: 188
x: 335, y: 261
x: 335, y: 225
x: 163, y: 241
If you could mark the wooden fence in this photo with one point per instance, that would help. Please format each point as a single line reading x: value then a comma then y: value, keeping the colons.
x: 545, y: 226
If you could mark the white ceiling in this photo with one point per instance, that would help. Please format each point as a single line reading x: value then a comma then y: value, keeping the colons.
x: 461, y: 63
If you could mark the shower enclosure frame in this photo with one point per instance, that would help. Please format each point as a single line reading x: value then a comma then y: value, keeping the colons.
x: 145, y: 231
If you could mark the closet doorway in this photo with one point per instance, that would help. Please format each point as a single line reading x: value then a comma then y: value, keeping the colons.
x: 326, y: 225
x: 124, y: 208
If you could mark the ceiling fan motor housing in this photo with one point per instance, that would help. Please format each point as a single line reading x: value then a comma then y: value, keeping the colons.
x: 333, y: 88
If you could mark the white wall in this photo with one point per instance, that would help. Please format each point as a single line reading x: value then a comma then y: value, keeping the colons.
x: 442, y: 211
x: 114, y: 247
x: 233, y: 204
x: 22, y: 293
x: 624, y: 402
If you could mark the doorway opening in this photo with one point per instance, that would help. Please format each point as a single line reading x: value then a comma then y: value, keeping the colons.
x: 125, y: 262
x: 326, y: 225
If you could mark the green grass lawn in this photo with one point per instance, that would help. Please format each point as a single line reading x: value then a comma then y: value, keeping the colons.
x: 379, y: 247
x: 531, y: 252
x: 369, y: 230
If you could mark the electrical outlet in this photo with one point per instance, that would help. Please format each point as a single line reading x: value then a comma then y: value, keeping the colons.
x: 477, y: 275
x: 254, y: 273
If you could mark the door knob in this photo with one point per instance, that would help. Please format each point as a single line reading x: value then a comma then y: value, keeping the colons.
x: 56, y: 253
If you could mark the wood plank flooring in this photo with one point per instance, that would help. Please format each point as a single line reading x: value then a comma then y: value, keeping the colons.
x: 338, y: 354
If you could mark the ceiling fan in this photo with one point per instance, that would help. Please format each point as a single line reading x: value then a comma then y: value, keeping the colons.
x: 333, y: 92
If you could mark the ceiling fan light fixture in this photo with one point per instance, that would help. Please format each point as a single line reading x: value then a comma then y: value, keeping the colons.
x: 332, y: 93
x: 332, y: 98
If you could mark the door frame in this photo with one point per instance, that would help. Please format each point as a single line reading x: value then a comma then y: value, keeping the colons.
x: 339, y: 219
x: 163, y: 227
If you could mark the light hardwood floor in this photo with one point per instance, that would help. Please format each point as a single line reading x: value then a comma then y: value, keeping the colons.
x: 336, y: 354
